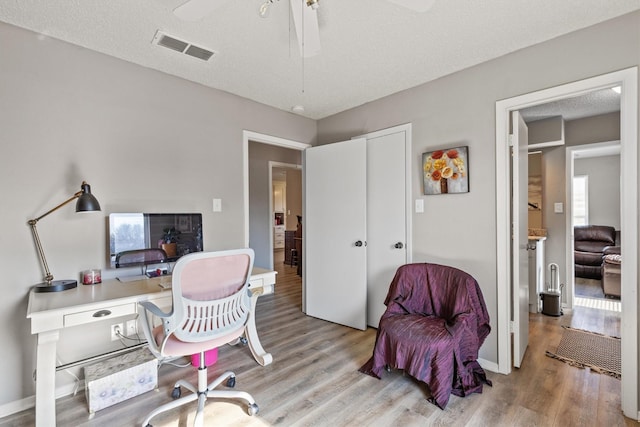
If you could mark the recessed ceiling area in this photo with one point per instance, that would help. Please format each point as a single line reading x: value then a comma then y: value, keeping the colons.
x: 579, y: 107
x: 369, y: 48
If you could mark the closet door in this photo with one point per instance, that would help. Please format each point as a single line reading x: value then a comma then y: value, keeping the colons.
x: 386, y: 216
x: 334, y: 221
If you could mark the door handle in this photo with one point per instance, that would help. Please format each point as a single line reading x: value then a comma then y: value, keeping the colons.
x: 398, y: 245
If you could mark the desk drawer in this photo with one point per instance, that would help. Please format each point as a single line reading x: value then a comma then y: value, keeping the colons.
x: 97, y: 315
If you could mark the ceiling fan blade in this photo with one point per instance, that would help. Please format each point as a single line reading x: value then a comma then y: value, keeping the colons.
x: 415, y: 5
x: 305, y: 20
x: 194, y: 10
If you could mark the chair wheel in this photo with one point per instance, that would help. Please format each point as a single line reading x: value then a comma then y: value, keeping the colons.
x: 244, y: 341
x: 176, y: 393
x: 387, y: 368
x: 253, y: 409
x: 231, y: 382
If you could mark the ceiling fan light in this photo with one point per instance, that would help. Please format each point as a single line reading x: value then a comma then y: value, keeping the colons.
x: 264, y: 9
x: 313, y: 4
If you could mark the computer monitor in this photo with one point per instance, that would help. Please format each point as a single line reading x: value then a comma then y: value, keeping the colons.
x: 177, y: 234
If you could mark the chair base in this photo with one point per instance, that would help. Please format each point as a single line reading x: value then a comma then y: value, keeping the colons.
x: 201, y: 393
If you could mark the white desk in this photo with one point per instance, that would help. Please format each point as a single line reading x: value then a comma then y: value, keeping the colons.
x: 51, y: 312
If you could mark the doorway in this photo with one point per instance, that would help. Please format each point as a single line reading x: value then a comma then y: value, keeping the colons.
x: 257, y: 208
x: 627, y: 80
x: 286, y: 209
x: 584, y: 164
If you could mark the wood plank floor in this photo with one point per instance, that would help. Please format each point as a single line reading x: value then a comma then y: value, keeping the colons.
x: 314, y: 381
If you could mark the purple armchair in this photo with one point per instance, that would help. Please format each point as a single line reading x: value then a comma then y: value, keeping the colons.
x: 435, y: 322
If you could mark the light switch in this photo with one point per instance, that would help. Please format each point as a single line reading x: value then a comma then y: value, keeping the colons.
x: 217, y: 205
x: 419, y: 206
x: 558, y: 207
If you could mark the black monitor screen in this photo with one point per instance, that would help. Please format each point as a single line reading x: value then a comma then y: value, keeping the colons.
x: 177, y: 234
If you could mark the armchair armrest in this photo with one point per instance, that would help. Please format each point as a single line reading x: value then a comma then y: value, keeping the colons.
x: 457, y: 322
x: 146, y: 320
x: 611, y: 250
x: 153, y: 309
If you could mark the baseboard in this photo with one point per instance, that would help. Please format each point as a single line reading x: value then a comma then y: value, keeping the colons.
x: 489, y: 366
x: 20, y: 405
x: 17, y: 406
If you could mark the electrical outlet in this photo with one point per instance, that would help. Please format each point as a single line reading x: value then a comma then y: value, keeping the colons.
x: 131, y: 327
x: 115, y: 330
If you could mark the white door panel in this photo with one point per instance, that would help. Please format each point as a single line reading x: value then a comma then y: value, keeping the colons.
x: 334, y: 220
x: 520, y: 258
x: 386, y: 218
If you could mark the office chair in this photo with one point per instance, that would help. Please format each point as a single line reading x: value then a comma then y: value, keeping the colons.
x: 140, y: 256
x: 210, y: 308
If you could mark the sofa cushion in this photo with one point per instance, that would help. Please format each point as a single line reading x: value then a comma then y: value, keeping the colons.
x: 590, y: 246
x: 588, y: 258
x: 595, y: 233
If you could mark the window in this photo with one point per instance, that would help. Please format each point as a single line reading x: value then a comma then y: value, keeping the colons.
x: 580, y: 200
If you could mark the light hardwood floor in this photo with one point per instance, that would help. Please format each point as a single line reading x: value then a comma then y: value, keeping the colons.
x: 314, y: 381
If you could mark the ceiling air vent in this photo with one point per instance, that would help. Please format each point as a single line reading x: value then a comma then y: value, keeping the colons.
x: 173, y: 43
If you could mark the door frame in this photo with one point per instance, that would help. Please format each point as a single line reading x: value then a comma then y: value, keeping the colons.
x: 264, y: 139
x: 628, y: 80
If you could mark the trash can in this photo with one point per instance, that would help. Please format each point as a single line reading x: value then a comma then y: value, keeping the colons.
x: 551, y: 298
x: 551, y: 305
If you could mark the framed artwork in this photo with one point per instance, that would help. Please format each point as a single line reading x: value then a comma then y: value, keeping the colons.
x: 446, y: 171
x: 184, y: 223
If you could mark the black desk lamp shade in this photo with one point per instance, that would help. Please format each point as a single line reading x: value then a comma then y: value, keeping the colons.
x: 86, y: 203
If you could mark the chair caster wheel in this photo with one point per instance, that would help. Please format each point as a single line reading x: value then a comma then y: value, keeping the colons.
x: 176, y: 393
x: 387, y: 368
x: 231, y: 382
x: 243, y: 341
x: 253, y: 409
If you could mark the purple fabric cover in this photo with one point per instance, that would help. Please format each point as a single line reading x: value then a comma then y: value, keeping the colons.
x: 435, y: 322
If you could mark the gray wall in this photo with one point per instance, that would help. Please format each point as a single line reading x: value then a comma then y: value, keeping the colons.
x: 260, y: 218
x: 604, y: 188
x: 144, y: 140
x: 459, y: 109
x: 294, y: 198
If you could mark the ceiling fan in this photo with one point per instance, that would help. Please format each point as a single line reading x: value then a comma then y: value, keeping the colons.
x: 304, y: 13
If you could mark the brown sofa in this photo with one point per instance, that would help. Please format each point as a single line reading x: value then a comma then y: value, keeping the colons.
x: 589, y: 244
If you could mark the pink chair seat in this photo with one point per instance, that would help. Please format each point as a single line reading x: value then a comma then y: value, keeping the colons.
x: 176, y: 347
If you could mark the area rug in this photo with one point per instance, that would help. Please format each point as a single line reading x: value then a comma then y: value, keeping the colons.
x: 585, y: 349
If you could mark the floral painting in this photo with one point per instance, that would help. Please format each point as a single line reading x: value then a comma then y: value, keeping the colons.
x: 445, y: 171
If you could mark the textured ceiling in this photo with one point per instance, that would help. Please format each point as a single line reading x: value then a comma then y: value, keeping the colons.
x: 590, y: 104
x: 370, y: 48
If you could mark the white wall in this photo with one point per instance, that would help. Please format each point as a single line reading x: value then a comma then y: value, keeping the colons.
x: 604, y: 188
x: 459, y: 109
x: 144, y: 140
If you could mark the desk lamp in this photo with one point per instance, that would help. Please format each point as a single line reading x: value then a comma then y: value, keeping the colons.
x: 86, y: 203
